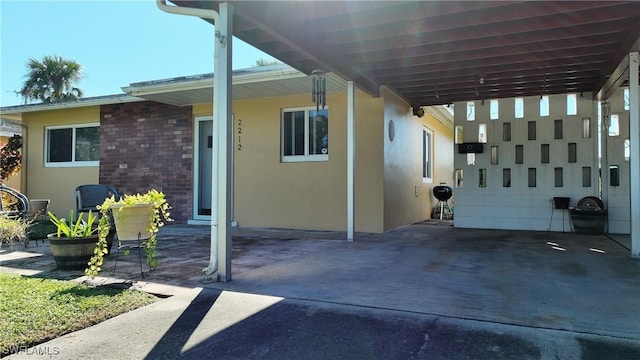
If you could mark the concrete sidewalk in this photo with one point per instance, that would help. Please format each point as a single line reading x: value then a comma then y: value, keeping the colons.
x: 420, y: 292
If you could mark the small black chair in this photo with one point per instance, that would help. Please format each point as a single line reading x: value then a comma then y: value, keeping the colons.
x: 89, y: 196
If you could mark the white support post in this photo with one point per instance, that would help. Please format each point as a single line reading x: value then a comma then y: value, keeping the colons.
x: 222, y: 109
x: 634, y: 161
x: 351, y: 150
x: 220, y: 194
x: 605, y: 112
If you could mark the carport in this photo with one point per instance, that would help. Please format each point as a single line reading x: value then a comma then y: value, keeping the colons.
x: 433, y: 53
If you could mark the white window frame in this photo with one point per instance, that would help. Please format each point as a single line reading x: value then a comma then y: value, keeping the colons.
x: 427, y: 155
x: 306, y: 157
x: 73, y: 162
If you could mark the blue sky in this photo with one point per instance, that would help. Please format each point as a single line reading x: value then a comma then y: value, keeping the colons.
x: 116, y: 42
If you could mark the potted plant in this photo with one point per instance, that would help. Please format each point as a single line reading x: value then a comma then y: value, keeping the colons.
x: 73, y: 243
x: 139, y: 215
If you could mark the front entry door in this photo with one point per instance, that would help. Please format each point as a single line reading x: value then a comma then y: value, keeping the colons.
x: 204, y: 136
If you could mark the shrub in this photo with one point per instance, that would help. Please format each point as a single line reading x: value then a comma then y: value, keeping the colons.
x: 13, y: 230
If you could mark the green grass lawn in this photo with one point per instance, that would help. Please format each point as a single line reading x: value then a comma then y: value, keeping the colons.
x: 35, y: 310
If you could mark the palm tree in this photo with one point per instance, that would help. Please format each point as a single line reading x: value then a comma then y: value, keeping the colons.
x: 52, y: 79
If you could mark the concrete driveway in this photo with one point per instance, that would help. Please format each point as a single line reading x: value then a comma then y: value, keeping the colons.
x: 423, y: 291
x: 562, y: 281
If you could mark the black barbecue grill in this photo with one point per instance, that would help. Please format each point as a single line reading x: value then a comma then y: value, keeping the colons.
x: 443, y: 193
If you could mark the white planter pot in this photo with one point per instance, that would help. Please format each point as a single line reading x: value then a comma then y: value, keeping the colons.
x: 133, y: 221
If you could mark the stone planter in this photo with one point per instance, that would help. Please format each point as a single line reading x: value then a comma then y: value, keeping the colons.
x: 72, y: 253
x: 38, y: 208
x: 133, y: 221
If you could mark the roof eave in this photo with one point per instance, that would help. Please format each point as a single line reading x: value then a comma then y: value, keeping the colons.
x: 8, y: 111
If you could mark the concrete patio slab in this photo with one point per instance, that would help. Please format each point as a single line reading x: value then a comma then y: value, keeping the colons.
x: 563, y: 281
x: 424, y: 291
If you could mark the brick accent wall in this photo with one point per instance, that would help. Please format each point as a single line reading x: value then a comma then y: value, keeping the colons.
x: 146, y: 145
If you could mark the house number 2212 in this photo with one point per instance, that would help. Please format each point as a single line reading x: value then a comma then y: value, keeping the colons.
x: 239, y: 134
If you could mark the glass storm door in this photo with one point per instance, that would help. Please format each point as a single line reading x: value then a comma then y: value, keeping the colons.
x: 204, y: 157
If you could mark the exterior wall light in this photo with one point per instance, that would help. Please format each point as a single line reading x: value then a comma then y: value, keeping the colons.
x: 418, y: 111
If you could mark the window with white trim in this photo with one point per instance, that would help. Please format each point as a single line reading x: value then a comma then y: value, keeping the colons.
x: 427, y: 155
x: 76, y: 145
x: 305, y: 135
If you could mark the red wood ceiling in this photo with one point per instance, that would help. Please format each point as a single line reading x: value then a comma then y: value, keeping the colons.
x: 439, y: 52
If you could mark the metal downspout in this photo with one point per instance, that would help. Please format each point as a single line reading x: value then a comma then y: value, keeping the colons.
x: 211, y: 270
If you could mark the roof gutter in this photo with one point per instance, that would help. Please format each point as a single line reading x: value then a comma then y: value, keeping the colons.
x: 181, y: 10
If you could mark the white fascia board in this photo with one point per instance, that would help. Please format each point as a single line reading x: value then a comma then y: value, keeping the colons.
x: 141, y: 90
x: 184, y: 85
x: 442, y: 115
x: 95, y: 101
x: 280, y: 74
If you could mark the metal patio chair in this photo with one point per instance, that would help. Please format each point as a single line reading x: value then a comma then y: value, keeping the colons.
x: 18, y: 203
x: 89, y: 196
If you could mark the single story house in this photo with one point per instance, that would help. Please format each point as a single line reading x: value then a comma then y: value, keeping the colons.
x: 289, y: 159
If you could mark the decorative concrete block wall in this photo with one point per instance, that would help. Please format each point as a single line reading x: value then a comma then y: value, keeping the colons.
x: 145, y: 145
x: 537, y: 157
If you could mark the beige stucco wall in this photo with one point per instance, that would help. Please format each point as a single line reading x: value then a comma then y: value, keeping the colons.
x: 56, y: 184
x: 269, y: 193
x: 407, y: 197
x: 301, y: 195
x: 306, y: 195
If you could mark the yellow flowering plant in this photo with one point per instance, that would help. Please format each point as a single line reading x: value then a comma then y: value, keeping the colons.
x: 160, y: 216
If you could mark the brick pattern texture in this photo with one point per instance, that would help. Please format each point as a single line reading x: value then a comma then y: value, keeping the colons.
x: 145, y: 145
